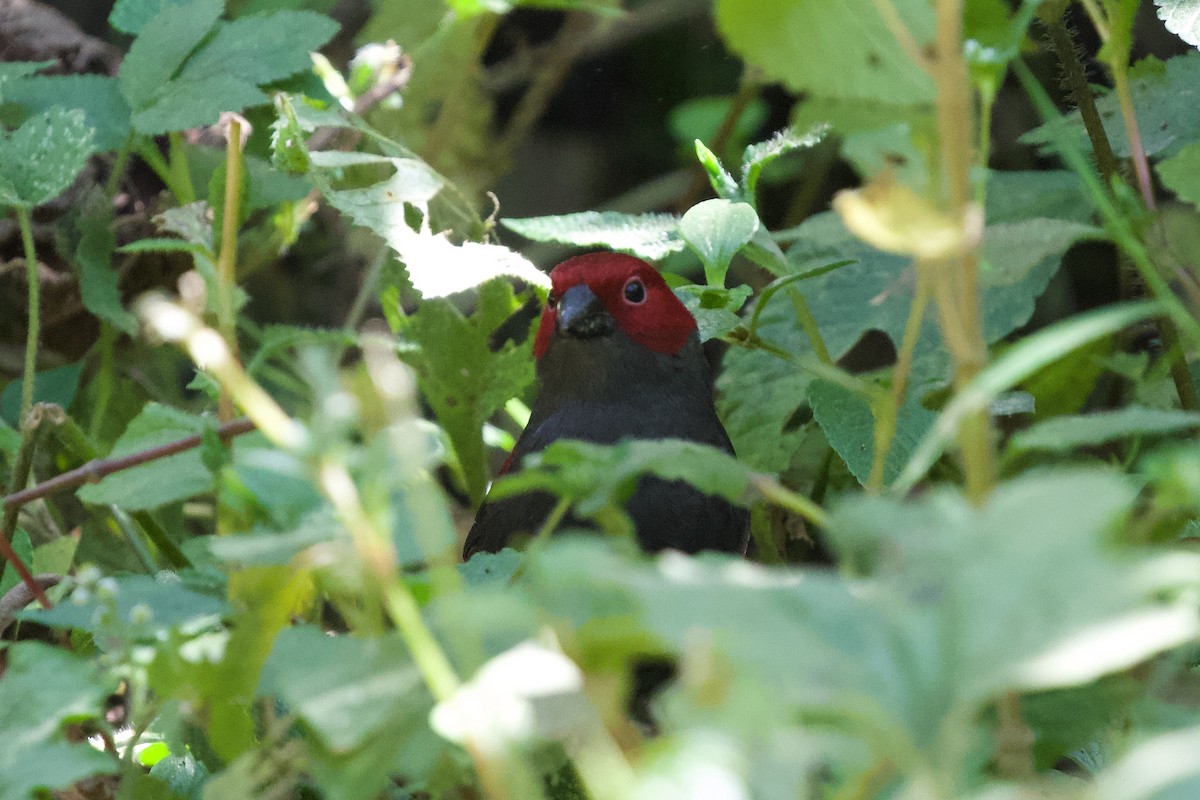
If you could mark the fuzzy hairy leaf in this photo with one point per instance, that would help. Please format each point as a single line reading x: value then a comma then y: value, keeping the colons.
x: 650, y: 236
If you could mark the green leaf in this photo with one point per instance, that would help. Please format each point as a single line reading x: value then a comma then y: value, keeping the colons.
x: 599, y: 477
x: 651, y: 236
x: 1011, y: 250
x: 40, y: 159
x: 17, y: 69
x: 44, y: 688
x: 461, y: 378
x: 1159, y: 768
x: 163, y: 44
x: 9, y: 577
x: 98, y: 281
x: 1018, y: 363
x: 716, y: 230
x: 132, y: 605
x: 849, y: 423
x: 262, y: 48
x: 128, y: 16
x: 98, y: 96
x: 758, y: 156
x: 1181, y: 173
x: 842, y: 49
x: 1168, y: 119
x: 715, y: 309
x: 166, y: 480
x: 1182, y: 18
x: 1067, y: 433
x: 56, y: 386
x: 193, y: 103
x: 363, y: 701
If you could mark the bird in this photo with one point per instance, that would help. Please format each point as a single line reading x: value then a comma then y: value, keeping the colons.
x: 619, y: 357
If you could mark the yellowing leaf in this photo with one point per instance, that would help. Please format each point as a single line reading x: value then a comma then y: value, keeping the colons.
x: 891, y: 217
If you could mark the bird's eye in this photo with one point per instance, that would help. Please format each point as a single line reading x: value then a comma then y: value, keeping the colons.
x: 635, y: 291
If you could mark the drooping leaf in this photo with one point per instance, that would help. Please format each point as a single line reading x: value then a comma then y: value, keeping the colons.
x: 42, y: 157
x: 650, y: 236
x: 166, y: 480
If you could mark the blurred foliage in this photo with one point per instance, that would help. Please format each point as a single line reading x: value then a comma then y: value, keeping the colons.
x: 974, y: 571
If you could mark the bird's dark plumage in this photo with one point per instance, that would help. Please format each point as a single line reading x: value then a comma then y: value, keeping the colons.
x: 619, y: 358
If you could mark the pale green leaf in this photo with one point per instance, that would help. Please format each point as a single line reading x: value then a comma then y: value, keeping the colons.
x: 40, y: 159
x: 758, y: 156
x: 98, y: 281
x: 716, y: 230
x: 650, y: 236
x: 842, y: 49
x: 132, y: 603
x: 1067, y: 433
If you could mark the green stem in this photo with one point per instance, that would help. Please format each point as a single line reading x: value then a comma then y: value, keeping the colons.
x: 775, y: 492
x: 809, y: 323
x: 105, y: 377
x: 118, y: 170
x: 181, y: 178
x: 25, y: 221
x: 1118, y: 227
x: 552, y: 521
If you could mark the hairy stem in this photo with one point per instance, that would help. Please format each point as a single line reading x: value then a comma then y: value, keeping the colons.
x: 34, y: 302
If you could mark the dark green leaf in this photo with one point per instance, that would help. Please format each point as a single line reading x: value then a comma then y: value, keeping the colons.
x: 163, y: 44
x: 56, y: 386
x: 98, y: 96
x: 262, y: 48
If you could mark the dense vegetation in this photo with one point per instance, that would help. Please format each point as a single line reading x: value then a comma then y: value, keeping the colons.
x: 946, y: 256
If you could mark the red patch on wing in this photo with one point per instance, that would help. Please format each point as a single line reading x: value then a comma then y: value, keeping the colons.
x: 660, y: 323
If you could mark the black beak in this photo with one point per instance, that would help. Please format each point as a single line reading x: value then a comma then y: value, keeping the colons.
x: 583, y: 315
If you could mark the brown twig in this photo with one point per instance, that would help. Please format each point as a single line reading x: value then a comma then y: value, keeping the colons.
x: 22, y: 595
x: 96, y: 469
